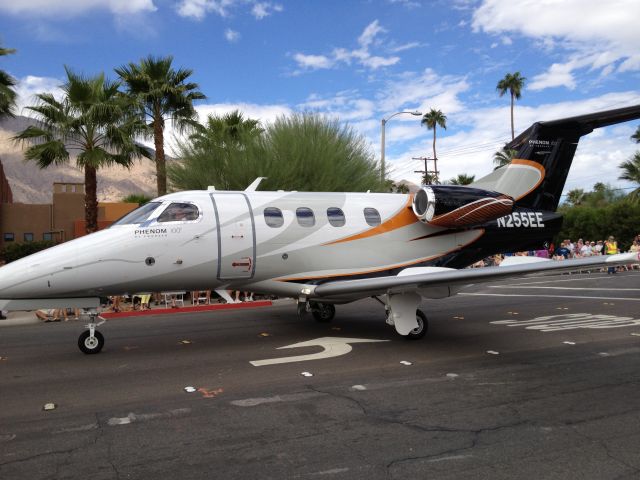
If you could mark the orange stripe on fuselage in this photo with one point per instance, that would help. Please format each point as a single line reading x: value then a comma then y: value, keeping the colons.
x: 388, y: 267
x: 402, y: 218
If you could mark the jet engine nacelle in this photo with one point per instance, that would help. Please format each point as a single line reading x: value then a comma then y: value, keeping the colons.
x: 453, y: 206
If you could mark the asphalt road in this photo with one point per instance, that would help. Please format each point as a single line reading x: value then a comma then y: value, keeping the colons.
x: 494, y: 391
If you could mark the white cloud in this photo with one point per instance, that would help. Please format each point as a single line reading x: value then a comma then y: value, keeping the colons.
x: 423, y: 91
x: 264, y: 9
x: 71, y: 8
x: 471, y: 150
x: 558, y: 75
x: 591, y: 34
x: 368, y: 38
x: 313, y: 62
x: 410, y: 4
x: 198, y: 9
x: 406, y: 46
x: 263, y: 113
x: 347, y: 106
x: 29, y: 86
x: 231, y: 35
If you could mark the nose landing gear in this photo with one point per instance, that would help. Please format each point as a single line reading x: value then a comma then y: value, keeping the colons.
x: 91, y: 340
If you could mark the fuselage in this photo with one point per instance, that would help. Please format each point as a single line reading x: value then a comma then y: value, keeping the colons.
x: 261, y: 241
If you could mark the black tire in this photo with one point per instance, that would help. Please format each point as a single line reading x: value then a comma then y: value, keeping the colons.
x: 421, y: 330
x: 88, y: 345
x: 323, y: 312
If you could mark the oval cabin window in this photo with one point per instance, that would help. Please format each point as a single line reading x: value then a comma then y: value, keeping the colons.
x: 305, y: 217
x: 336, y: 216
x: 372, y: 216
x: 273, y: 217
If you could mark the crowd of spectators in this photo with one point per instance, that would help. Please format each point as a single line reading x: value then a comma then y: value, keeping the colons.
x: 568, y: 250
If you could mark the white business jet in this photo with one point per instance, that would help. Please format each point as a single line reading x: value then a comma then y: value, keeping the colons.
x: 323, y: 249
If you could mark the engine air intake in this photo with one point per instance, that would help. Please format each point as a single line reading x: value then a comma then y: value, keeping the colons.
x: 453, y: 206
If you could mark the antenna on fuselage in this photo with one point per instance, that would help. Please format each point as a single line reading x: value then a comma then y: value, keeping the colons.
x: 254, y: 185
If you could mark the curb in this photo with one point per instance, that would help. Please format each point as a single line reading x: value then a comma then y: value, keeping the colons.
x: 189, y: 309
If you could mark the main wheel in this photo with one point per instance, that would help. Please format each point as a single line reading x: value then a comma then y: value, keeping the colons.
x: 89, y: 344
x: 421, y: 330
x: 323, y: 312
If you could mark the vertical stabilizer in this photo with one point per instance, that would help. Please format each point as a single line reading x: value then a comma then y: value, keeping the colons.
x: 536, y: 176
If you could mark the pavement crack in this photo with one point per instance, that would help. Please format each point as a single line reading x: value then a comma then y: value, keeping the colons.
x: 603, y: 445
x: 342, y: 396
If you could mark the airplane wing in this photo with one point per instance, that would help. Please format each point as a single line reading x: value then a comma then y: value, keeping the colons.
x: 456, y: 278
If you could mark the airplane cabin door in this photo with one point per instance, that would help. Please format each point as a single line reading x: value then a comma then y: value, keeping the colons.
x: 236, y: 236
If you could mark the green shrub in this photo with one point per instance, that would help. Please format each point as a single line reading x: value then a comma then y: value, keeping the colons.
x: 15, y: 251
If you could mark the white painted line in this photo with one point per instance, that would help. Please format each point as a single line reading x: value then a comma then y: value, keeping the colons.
x: 493, y: 352
x: 569, y: 343
x: 571, y: 321
x: 404, y: 362
x: 331, y: 347
x: 293, y: 397
x: 548, y: 296
x: 358, y: 388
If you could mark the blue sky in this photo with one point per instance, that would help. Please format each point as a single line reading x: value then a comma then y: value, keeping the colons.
x: 361, y: 61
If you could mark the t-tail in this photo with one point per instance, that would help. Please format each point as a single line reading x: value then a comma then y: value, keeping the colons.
x: 536, y: 176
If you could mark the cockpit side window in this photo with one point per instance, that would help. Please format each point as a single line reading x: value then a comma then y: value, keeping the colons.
x: 139, y: 215
x: 179, y: 212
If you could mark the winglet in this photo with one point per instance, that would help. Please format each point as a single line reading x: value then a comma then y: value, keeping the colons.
x: 254, y: 185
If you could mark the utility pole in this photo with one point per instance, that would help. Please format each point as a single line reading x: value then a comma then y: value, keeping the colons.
x: 429, y: 174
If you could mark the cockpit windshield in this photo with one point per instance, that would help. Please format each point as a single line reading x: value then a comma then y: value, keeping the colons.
x: 139, y: 215
x: 179, y: 212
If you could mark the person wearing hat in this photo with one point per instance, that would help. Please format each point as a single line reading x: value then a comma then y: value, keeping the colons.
x: 611, y: 248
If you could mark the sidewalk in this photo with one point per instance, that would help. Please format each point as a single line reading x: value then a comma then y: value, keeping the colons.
x: 29, y: 317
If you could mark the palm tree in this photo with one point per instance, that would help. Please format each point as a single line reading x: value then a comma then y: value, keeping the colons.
x: 92, y: 120
x: 576, y: 196
x: 462, y: 179
x: 161, y: 93
x: 636, y: 136
x: 7, y: 92
x: 503, y: 157
x: 429, y: 179
x: 432, y: 119
x: 230, y: 128
x: 631, y: 172
x: 513, y: 83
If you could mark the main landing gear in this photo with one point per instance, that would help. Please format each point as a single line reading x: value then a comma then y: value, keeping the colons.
x: 91, y: 340
x: 402, y: 312
x: 393, y: 318
x: 322, y: 312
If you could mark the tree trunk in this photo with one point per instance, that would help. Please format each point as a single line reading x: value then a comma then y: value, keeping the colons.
x: 161, y: 166
x: 435, y: 158
x: 90, y: 199
x: 512, y: 132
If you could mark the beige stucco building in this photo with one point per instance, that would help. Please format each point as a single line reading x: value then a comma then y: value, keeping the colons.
x: 61, y: 220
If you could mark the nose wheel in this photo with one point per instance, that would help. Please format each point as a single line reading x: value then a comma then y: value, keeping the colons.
x: 90, y: 343
x: 91, y: 340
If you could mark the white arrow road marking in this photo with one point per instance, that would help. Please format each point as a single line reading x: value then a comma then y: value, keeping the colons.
x: 332, y: 347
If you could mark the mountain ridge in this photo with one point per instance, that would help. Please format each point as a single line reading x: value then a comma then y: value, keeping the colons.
x: 30, y: 184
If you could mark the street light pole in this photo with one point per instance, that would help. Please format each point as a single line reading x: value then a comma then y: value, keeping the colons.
x: 383, y: 124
